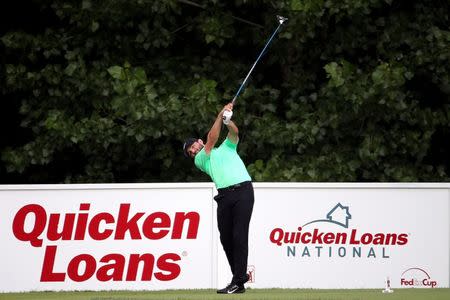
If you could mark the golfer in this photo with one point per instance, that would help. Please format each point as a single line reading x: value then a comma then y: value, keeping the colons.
x: 235, y: 195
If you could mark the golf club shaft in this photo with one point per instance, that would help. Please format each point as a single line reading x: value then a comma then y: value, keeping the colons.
x: 259, y: 57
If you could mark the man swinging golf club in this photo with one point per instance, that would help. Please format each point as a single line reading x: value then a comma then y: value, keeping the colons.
x: 235, y: 196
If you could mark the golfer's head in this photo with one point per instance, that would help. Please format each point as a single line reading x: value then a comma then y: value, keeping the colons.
x: 192, y: 146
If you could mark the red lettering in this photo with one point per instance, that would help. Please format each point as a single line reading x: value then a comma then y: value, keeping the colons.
x: 353, y: 240
x: 306, y: 238
x: 80, y: 231
x: 366, y: 238
x: 289, y: 237
x: 431, y: 283
x: 317, y: 237
x: 135, y: 260
x: 279, y: 237
x: 406, y: 282
x: 194, y: 220
x: 47, y: 274
x: 381, y: 239
x: 38, y: 226
x: 115, y: 268
x: 66, y: 231
x: 165, y: 265
x: 94, y: 230
x: 151, y: 223
x: 276, y: 236
x: 402, y: 239
x: 341, y: 238
x: 74, y: 266
x: 82, y: 267
x: 329, y: 238
x: 124, y: 225
x: 74, y: 226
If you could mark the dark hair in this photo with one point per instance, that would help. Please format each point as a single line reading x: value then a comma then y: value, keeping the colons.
x: 187, y: 143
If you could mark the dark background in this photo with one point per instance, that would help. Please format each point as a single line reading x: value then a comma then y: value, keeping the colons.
x: 106, y: 91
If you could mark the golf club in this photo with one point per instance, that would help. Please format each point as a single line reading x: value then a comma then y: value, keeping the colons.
x: 228, y: 114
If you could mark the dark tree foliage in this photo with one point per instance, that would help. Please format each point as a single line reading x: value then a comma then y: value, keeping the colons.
x: 106, y: 91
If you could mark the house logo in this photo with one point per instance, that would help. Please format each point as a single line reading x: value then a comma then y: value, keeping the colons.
x: 417, y: 277
x: 317, y: 238
x: 338, y: 215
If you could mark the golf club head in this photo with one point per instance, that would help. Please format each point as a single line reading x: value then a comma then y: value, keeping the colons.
x: 281, y: 19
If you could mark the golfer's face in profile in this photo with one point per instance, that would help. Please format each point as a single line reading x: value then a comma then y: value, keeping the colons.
x: 195, y: 148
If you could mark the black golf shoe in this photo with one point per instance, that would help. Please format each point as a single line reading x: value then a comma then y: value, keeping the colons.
x: 232, y: 288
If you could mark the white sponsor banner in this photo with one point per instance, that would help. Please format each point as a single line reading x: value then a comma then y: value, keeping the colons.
x: 354, y: 237
x: 102, y: 238
x: 164, y: 236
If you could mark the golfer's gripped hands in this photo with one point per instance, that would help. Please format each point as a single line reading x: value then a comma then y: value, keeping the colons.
x: 229, y: 107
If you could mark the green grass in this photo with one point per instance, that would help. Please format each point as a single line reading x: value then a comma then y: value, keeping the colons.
x: 251, y: 294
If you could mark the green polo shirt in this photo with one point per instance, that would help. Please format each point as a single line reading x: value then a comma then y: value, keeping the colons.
x: 223, y: 165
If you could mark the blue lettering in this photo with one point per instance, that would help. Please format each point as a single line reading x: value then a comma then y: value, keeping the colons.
x: 306, y: 252
x: 356, y: 251
x: 290, y: 251
x: 318, y: 250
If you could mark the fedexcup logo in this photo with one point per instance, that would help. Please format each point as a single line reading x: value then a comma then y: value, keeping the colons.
x: 332, y: 236
x: 417, y: 277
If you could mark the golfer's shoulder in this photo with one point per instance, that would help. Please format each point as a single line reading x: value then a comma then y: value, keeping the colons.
x: 202, y: 156
x: 202, y: 159
x: 229, y: 144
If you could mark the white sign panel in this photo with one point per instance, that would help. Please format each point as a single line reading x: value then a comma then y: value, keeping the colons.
x: 106, y: 239
x: 164, y: 236
x: 349, y: 238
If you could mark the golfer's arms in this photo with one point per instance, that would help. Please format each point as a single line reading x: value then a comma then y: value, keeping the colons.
x: 233, y: 132
x: 213, y: 134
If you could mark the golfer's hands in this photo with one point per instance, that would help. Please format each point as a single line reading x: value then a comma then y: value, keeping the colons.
x: 229, y: 107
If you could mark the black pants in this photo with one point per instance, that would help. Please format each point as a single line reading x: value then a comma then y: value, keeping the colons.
x: 234, y: 210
